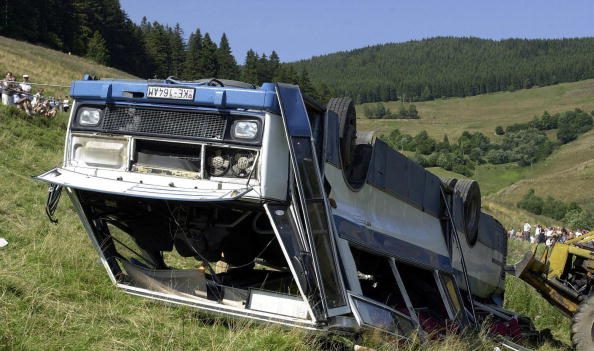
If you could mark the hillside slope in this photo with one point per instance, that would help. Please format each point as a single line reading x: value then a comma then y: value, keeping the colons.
x: 568, y: 174
x: 54, y: 294
x: 484, y: 112
x: 49, y: 66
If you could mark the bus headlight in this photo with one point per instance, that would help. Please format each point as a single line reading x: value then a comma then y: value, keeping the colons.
x: 99, y: 152
x: 246, y: 130
x: 89, y: 116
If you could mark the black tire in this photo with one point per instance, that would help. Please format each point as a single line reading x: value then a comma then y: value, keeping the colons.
x: 448, y: 183
x: 468, y: 211
x: 582, y: 326
x: 345, y: 110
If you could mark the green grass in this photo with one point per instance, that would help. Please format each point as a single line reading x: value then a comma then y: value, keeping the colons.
x: 54, y: 295
x: 524, y: 300
x: 483, y: 113
x: 48, y: 66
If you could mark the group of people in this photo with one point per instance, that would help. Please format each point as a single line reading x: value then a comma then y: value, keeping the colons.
x: 545, y: 235
x: 21, y: 95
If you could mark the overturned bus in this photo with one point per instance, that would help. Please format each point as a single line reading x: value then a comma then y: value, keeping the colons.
x: 261, y: 203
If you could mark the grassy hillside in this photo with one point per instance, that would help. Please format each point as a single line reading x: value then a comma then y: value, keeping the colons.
x: 48, y: 66
x: 567, y: 174
x: 54, y: 295
x: 485, y: 112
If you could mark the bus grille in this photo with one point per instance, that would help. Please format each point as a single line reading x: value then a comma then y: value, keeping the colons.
x: 176, y: 123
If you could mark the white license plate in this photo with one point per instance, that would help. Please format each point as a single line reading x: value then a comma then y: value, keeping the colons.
x: 170, y: 93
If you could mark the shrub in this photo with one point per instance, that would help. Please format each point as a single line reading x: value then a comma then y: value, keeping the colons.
x: 499, y: 130
x: 579, y: 219
x: 376, y: 111
x: 573, y: 123
x: 554, y: 208
x: 531, y: 203
x: 497, y: 156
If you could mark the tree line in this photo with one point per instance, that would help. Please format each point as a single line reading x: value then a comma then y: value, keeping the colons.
x: 570, y: 124
x: 451, y: 66
x: 103, y: 32
x: 570, y: 213
x: 380, y: 111
x: 522, y: 143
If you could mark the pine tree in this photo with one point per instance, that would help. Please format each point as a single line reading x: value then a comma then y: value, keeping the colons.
x: 324, y: 93
x: 97, y: 49
x: 207, y: 60
x: 249, y: 72
x: 177, y: 51
x: 274, y: 64
x: 226, y: 62
x: 192, y: 68
x: 159, y: 50
x: 305, y: 84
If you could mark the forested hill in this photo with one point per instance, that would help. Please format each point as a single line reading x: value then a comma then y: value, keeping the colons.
x: 101, y: 31
x: 448, y: 66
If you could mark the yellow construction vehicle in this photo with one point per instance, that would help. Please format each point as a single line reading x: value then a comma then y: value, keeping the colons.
x: 563, y: 276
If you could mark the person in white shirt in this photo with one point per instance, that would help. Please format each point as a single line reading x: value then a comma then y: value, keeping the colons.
x: 527, y: 229
x: 65, y: 104
x: 23, y: 97
x: 537, y: 231
x: 25, y: 86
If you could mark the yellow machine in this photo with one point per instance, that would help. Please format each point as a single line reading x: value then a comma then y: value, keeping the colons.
x: 563, y: 276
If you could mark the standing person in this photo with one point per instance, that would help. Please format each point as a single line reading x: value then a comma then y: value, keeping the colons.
x: 564, y: 235
x: 23, y: 97
x: 537, y: 232
x: 8, y: 89
x: 527, y: 229
x: 541, y: 236
x: 37, y: 98
x: 66, y: 104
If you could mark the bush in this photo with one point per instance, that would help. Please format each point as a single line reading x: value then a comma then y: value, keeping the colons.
x: 527, y: 146
x: 410, y: 113
x: 531, y: 203
x: 424, y: 144
x: 517, y: 127
x: 376, y: 111
x: 499, y: 130
x: 579, y: 219
x: 573, y: 123
x: 571, y: 214
x: 497, y: 156
x: 554, y: 208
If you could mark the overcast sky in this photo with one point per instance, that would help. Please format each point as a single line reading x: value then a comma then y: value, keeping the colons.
x: 299, y: 29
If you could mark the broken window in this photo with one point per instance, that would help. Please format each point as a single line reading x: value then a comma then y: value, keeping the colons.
x: 378, y: 283
x: 225, y: 253
x: 425, y: 296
